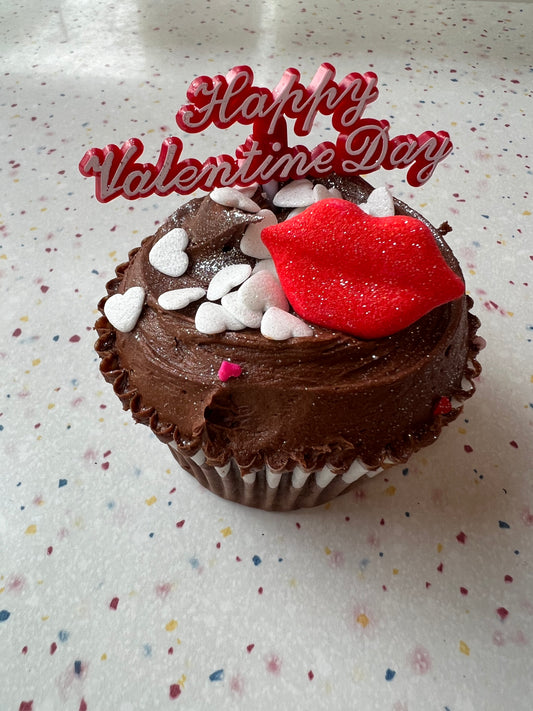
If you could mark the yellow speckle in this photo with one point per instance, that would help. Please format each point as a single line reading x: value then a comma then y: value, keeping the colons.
x: 461, y: 430
x: 1, y: 590
x: 226, y: 531
x: 390, y: 490
x: 362, y: 620
x: 35, y: 361
x: 472, y: 271
x: 182, y: 680
x: 151, y: 500
x: 327, y: 550
x: 100, y: 419
x: 464, y: 648
x: 113, y: 253
x: 510, y: 313
x: 46, y: 617
x: 25, y: 318
x: 171, y: 626
x: 293, y: 583
x: 439, y: 548
x: 103, y: 657
x: 178, y: 641
x: 327, y: 506
x: 395, y: 571
x: 51, y: 405
x: 31, y: 530
x: 3, y: 256
x: 527, y: 213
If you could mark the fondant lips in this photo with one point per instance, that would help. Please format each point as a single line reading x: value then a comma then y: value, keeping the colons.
x: 367, y: 276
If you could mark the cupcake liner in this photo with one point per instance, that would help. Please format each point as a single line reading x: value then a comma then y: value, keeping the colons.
x: 269, y: 490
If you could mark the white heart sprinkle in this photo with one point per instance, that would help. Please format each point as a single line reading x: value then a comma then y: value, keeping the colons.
x: 234, y: 305
x: 270, y: 189
x: 265, y: 264
x: 213, y: 318
x: 180, y: 298
x: 226, y: 279
x: 231, y: 197
x: 123, y: 310
x: 320, y: 192
x: 261, y: 291
x: 299, y: 193
x: 247, y: 190
x: 379, y: 203
x: 168, y: 254
x: 251, y: 243
x: 279, y: 325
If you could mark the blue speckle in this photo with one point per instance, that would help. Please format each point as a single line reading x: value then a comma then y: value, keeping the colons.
x: 151, y: 534
x: 364, y: 563
x: 389, y: 675
x: 4, y: 615
x: 256, y: 560
x: 503, y: 524
x: 147, y: 650
x: 63, y: 635
x: 55, y: 338
x: 110, y: 505
x: 194, y: 562
x: 217, y: 675
x: 1, y: 428
x: 405, y: 471
x: 77, y: 667
x: 62, y: 482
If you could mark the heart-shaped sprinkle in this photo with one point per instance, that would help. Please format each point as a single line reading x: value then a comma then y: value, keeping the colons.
x: 226, y: 279
x: 251, y: 243
x: 367, y: 276
x: 279, y: 325
x: 298, y: 193
x: 180, y: 298
x: 320, y: 192
x: 265, y: 264
x: 229, y: 370
x: 123, y: 310
x: 234, y: 305
x: 213, y: 318
x: 261, y: 291
x: 231, y: 197
x: 168, y: 254
x: 379, y: 203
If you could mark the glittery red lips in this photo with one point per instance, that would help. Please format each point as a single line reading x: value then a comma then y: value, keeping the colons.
x: 367, y: 276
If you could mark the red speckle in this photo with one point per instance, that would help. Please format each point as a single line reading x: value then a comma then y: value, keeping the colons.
x: 74, y: 339
x: 114, y: 603
x: 428, y: 585
x: 24, y: 650
x: 384, y: 588
x: 440, y: 567
x: 310, y: 675
x: 250, y: 647
x: 298, y: 526
x: 236, y: 685
x: 53, y: 648
x: 238, y: 559
x: 443, y: 406
x: 461, y: 537
x: 468, y: 448
x: 420, y: 660
x: 508, y: 578
x: 44, y: 288
x: 174, y: 691
x: 170, y: 651
x: 16, y: 584
x: 181, y: 523
x: 382, y: 522
x: 172, y: 491
x: 16, y: 333
x: 527, y: 516
x: 273, y: 664
x: 83, y: 705
x: 464, y: 591
x: 260, y: 591
x: 502, y: 613
x: 26, y: 705
x: 218, y: 544
x: 513, y: 444
x: 105, y: 466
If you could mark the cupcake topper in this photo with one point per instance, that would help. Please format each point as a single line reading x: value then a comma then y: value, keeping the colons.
x: 362, y: 146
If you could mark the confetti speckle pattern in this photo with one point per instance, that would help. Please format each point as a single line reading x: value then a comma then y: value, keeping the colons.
x: 123, y: 584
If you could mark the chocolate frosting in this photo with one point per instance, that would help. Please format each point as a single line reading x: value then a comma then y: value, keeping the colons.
x: 324, y: 399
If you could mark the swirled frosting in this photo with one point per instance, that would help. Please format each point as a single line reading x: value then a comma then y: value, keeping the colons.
x: 324, y: 399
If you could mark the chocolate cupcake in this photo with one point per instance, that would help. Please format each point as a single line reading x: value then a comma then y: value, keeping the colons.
x: 270, y: 388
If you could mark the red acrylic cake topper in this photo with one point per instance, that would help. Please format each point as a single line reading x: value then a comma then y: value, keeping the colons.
x: 367, y: 276
x: 362, y: 145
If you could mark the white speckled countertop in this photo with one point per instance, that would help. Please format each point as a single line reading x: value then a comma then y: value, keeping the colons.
x: 123, y: 584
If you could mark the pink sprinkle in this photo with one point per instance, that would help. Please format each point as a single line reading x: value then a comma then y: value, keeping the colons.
x: 468, y: 448
x: 440, y: 567
x: 464, y: 591
x: 181, y: 523
x: 16, y: 333
x: 229, y: 370
x: 502, y: 613
x: 310, y: 675
x: 508, y: 578
x: 74, y: 339
x: 53, y: 648
x: 513, y: 444
x: 250, y: 647
x: 461, y: 537
x: 114, y: 603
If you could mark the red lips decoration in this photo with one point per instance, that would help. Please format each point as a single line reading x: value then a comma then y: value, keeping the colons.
x: 367, y: 276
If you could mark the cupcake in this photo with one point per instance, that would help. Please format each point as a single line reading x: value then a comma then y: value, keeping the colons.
x: 287, y: 341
